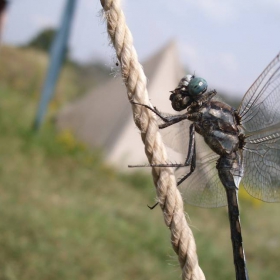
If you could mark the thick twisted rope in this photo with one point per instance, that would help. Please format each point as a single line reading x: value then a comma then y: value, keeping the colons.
x: 168, y: 195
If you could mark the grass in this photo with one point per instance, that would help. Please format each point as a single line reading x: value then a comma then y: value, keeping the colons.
x: 64, y: 214
x: 25, y: 69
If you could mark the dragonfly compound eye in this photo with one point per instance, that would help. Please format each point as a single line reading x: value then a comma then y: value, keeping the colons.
x: 197, y: 86
x: 184, y: 82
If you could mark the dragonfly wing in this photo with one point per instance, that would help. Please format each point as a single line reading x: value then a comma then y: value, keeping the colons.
x: 262, y: 165
x: 260, y: 118
x: 260, y: 105
x: 176, y: 137
x: 203, y: 187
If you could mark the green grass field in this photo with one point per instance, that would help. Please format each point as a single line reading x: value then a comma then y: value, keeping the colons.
x: 64, y: 214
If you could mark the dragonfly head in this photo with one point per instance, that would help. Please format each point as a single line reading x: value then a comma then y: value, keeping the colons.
x: 190, y: 88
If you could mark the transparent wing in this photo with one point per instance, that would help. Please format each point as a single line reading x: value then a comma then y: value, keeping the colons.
x: 259, y: 108
x: 262, y: 164
x: 260, y: 117
x: 203, y: 188
x: 176, y: 136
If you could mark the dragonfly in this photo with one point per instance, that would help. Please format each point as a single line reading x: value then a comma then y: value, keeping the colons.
x: 224, y: 147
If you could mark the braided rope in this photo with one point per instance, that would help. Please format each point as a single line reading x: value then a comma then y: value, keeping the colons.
x: 168, y: 195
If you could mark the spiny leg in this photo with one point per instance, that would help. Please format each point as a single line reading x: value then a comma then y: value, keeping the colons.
x: 152, y: 207
x: 175, y: 119
x: 193, y: 162
x: 190, y: 160
x: 192, y: 155
x: 193, y: 165
x: 191, y: 149
x: 169, y: 120
x: 177, y: 165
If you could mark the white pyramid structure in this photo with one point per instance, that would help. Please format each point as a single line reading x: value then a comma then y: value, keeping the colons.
x: 103, y: 117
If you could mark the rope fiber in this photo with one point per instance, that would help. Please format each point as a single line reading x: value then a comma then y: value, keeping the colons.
x: 168, y: 194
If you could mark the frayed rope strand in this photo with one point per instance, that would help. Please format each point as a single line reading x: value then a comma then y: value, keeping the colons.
x: 168, y: 195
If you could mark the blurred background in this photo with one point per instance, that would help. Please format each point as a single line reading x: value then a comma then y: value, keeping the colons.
x: 69, y: 207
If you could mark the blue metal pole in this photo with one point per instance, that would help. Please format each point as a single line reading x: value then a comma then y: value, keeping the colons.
x: 57, y: 53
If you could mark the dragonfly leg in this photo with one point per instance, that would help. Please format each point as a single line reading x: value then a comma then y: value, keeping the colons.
x: 152, y: 207
x: 169, y: 120
x: 189, y: 160
x: 191, y: 149
x: 177, y: 118
x: 193, y: 164
x: 160, y: 165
